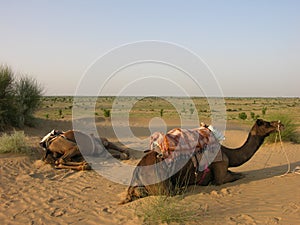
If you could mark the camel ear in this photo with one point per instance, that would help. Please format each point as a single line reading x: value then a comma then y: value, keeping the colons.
x: 259, y: 122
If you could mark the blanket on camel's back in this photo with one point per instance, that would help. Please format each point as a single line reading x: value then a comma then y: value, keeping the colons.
x: 179, y: 145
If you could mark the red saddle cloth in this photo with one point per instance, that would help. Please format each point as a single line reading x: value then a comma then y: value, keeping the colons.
x: 199, y: 143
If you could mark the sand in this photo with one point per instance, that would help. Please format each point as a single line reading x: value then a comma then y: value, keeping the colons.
x: 35, y: 193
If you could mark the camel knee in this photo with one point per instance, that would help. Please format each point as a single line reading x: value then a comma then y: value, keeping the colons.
x: 134, y: 193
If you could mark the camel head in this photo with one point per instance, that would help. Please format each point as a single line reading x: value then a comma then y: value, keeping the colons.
x: 265, y: 128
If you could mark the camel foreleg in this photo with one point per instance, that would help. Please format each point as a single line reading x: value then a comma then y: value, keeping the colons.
x: 109, y: 145
x: 74, y: 166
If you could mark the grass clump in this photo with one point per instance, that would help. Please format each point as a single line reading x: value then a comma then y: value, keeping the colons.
x: 14, y: 143
x: 289, y: 133
x: 162, y: 209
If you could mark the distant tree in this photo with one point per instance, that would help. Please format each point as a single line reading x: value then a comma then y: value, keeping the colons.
x: 161, y: 112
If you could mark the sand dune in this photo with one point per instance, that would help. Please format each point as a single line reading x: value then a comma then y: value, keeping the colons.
x: 35, y: 193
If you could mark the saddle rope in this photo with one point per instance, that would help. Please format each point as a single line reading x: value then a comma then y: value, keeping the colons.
x: 286, y: 156
x: 278, y: 134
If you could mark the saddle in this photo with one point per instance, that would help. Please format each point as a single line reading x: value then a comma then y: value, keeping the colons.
x: 201, y: 144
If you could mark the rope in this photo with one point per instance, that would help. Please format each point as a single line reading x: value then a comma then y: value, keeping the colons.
x: 286, y: 156
x: 278, y: 134
x: 271, y: 152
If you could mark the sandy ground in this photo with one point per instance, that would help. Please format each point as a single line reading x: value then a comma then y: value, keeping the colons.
x: 34, y: 193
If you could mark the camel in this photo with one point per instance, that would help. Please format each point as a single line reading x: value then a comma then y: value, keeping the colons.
x: 216, y: 173
x: 66, y: 146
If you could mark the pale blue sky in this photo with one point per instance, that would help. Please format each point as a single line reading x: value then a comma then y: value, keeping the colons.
x: 253, y: 47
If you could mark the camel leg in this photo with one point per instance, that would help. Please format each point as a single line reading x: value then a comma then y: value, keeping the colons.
x: 110, y: 145
x: 133, y: 193
x: 75, y: 163
x: 78, y: 167
x: 68, y: 155
x: 237, y: 175
x: 230, y: 177
x: 46, y: 154
x: 222, y: 175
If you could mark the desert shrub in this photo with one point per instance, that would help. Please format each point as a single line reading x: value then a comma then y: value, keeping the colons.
x: 264, y: 111
x: 6, y: 95
x: 231, y: 110
x: 289, y: 133
x: 106, y: 112
x: 19, y: 99
x: 192, y: 110
x: 243, y: 115
x: 161, y: 112
x: 28, y: 95
x: 253, y: 116
x: 14, y: 143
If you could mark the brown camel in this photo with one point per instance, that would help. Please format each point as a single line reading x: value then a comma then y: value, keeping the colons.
x: 65, y: 146
x: 216, y: 173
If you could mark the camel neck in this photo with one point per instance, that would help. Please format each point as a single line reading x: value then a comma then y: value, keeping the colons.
x: 244, y: 153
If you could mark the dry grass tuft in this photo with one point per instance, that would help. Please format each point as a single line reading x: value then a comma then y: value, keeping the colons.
x: 14, y: 143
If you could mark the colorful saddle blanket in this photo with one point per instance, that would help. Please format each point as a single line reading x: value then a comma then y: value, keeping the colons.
x: 199, y: 144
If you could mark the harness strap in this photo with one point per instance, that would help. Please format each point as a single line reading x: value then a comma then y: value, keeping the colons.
x: 196, y: 165
x: 205, y: 172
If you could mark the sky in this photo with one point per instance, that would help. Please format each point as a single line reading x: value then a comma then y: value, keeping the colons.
x: 252, y: 48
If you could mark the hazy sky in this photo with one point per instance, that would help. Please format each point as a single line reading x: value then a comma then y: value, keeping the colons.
x: 253, y: 47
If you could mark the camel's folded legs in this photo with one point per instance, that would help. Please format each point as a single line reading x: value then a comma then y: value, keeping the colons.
x: 109, y: 145
x: 74, y: 166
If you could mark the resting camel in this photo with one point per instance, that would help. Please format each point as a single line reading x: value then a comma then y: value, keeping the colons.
x: 217, y: 172
x: 65, y: 146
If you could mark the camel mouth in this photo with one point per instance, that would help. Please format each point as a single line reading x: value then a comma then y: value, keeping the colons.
x: 280, y: 126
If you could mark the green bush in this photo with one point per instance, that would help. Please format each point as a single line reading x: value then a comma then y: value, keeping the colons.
x: 28, y: 95
x: 253, y: 116
x: 106, y: 112
x: 161, y: 112
x: 264, y: 111
x: 6, y: 95
x: 289, y: 133
x: 243, y: 115
x: 14, y: 143
x: 19, y: 99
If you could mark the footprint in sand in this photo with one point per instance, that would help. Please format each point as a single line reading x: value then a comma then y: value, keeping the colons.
x: 291, y: 208
x: 57, y: 212
x: 222, y: 193
x: 243, y: 219
x: 273, y: 221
